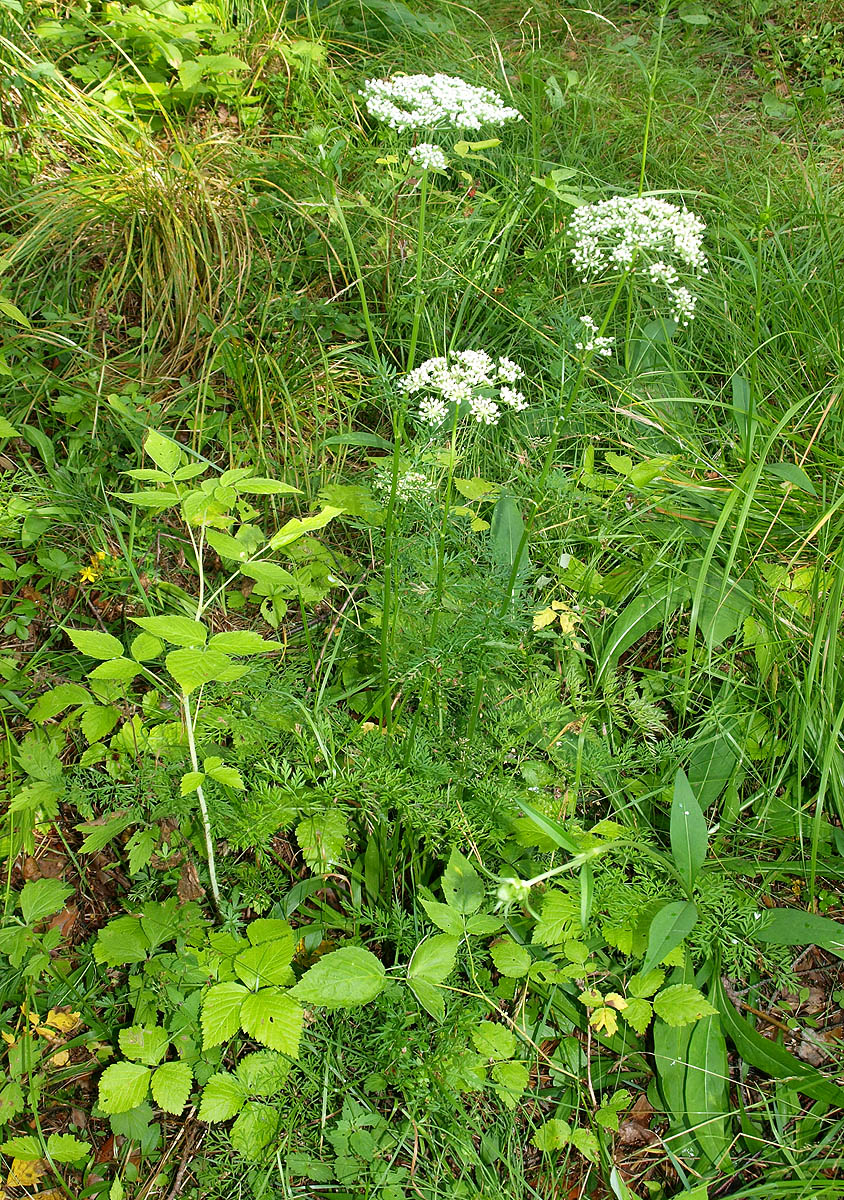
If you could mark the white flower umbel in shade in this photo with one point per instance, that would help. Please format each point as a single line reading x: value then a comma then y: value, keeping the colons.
x: 411, y: 486
x: 471, y: 382
x: 625, y: 232
x: 434, y: 101
x: 591, y: 342
x: 428, y: 156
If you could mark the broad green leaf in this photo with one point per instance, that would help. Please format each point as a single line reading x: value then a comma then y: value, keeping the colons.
x: 65, y: 1148
x: 770, y: 1057
x: 171, y: 1085
x: 144, y: 1043
x: 794, y: 927
x: 670, y: 925
x: 254, y: 1129
x: 274, y: 1019
x: 792, y: 474
x: 345, y: 978
x: 222, y: 1098
x: 494, y: 1041
x: 707, y: 1088
x: 681, y: 1004
x: 322, y: 839
x: 267, y: 964
x: 98, y: 721
x: 724, y: 603
x: 645, y: 984
x: 194, y: 668
x: 482, y: 923
x: 434, y: 958
x: 116, y: 670
x: 151, y: 498
x: 179, y: 631
x: 462, y: 886
x: 227, y: 776
x: 263, y: 1073
x: 42, y: 897
x: 95, y: 644
x: 258, y: 486
x: 586, y: 1142
x: 689, y: 834
x: 26, y: 1148
x: 638, y: 1013
x: 505, y: 535
x: 56, y: 700
x: 271, y: 578
x: 164, y: 452
x: 512, y: 1078
x: 221, y: 1013
x: 121, y: 942
x: 671, y: 1046
x: 296, y: 528
x: 445, y: 918
x: 430, y: 996
x: 553, y: 1135
x: 642, y: 615
x: 242, y: 641
x: 145, y: 647
x: 559, y: 919
x: 269, y: 929
x: 511, y: 959
x: 123, y: 1086
x: 226, y: 546
x: 190, y: 781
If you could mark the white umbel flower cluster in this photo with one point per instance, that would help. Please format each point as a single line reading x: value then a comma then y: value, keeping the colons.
x: 633, y: 231
x: 471, y: 381
x: 411, y: 486
x: 591, y: 342
x: 428, y: 156
x: 429, y: 101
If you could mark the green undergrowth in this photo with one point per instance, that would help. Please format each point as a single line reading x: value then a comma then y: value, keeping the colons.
x: 401, y: 809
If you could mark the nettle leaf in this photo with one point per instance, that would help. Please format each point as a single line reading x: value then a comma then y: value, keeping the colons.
x: 193, y: 668
x: 433, y: 959
x: 243, y: 642
x: 171, y: 1085
x: 462, y: 886
x: 95, y: 644
x: 272, y: 1018
x: 672, y: 923
x: 221, y: 1013
x: 190, y: 781
x: 681, y: 1004
x: 222, y: 1098
x: 42, y: 898
x: 445, y: 918
x: 689, y: 834
x: 164, y: 452
x: 177, y: 630
x: 511, y: 959
x: 228, y: 776
x: 144, y: 1043
x: 345, y: 978
x: 123, y: 1086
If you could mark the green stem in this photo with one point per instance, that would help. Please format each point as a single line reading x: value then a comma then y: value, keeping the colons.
x: 420, y: 248
x: 663, y: 9
x: 353, y: 254
x: 203, y: 807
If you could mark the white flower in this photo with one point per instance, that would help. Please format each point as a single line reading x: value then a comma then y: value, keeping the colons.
x: 428, y: 156
x: 592, y: 343
x: 470, y: 382
x: 410, y: 485
x: 428, y: 101
x: 628, y: 231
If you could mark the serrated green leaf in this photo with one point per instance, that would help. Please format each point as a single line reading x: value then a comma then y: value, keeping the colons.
x: 190, y: 781
x: 175, y: 629
x: 274, y: 1019
x: 511, y: 959
x: 243, y: 642
x: 123, y: 1086
x: 586, y: 1142
x: 56, y: 700
x: 434, y: 958
x: 95, y: 644
x: 145, y: 647
x: 65, y: 1148
x: 445, y: 918
x: 222, y: 1098
x: 322, y: 839
x: 116, y: 670
x: 645, y: 984
x: 98, y: 834
x: 26, y: 1148
x: 144, y: 1043
x: 266, y: 965
x: 171, y: 1085
x: 346, y: 978
x: 98, y: 721
x: 512, y: 1079
x: 638, y: 1014
x: 263, y: 1073
x: 254, y: 1129
x: 269, y: 929
x: 482, y: 924
x: 121, y: 942
x: 221, y: 1013
x: 681, y: 1004
x: 227, y: 776
x: 42, y: 897
x: 553, y: 1135
x: 494, y: 1041
x: 194, y: 668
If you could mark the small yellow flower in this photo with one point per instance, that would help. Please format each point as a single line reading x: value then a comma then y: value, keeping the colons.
x: 88, y: 575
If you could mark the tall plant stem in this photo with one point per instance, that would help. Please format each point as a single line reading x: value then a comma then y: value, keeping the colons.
x: 353, y: 254
x: 652, y: 78
x: 420, y: 252
x: 203, y: 807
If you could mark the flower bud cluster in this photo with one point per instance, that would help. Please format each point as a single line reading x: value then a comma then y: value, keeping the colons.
x: 626, y: 232
x: 428, y: 101
x: 471, y: 381
x: 428, y: 156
